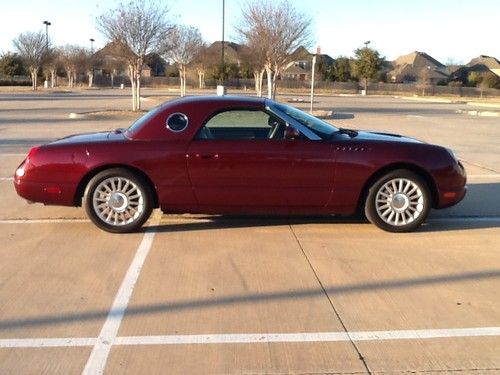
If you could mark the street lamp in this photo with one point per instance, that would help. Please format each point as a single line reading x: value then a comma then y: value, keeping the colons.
x: 92, y: 40
x: 47, y: 24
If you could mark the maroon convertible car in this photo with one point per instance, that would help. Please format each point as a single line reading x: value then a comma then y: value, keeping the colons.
x: 234, y: 155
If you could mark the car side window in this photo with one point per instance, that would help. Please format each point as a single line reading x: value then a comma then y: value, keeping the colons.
x: 241, y: 125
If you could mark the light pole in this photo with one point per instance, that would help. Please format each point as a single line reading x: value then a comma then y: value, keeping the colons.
x: 220, y: 88
x: 47, y: 24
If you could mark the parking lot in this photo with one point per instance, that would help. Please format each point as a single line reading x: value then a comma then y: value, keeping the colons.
x: 222, y: 295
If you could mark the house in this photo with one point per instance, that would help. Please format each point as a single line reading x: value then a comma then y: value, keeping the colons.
x: 417, y: 66
x: 109, y: 60
x: 232, y: 53
x: 480, y: 64
x: 300, y: 67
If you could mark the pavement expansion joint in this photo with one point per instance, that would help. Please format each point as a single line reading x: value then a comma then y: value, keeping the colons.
x: 335, y: 311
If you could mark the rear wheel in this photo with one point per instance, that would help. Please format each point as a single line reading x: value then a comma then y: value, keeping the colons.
x: 118, y: 201
x: 398, y: 201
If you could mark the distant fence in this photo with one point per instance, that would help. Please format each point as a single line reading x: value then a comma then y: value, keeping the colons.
x: 293, y: 85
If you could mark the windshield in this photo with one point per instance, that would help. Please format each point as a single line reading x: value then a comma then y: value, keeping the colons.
x: 320, y: 127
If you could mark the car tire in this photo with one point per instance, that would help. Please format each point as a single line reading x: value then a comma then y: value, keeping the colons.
x: 398, y: 201
x: 118, y: 201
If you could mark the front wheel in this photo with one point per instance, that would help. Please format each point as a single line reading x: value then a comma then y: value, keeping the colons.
x: 398, y: 201
x: 118, y: 201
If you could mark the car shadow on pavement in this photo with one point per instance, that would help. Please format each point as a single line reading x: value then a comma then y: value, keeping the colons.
x: 480, y: 209
x: 211, y: 222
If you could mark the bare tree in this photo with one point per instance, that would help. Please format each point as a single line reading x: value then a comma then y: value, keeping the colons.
x: 255, y: 59
x: 50, y: 65
x: 74, y: 59
x: 184, y: 44
x: 273, y: 31
x: 140, y: 27
x: 200, y: 64
x: 425, y: 78
x: 31, y: 47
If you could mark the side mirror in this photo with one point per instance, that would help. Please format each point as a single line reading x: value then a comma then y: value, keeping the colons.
x: 291, y: 133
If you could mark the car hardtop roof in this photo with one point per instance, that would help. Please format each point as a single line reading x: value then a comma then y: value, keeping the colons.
x: 229, y: 99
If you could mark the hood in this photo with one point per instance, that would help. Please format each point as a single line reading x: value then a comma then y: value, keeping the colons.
x: 90, y: 138
x: 384, y: 137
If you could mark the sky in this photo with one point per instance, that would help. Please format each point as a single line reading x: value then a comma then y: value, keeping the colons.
x: 451, y: 31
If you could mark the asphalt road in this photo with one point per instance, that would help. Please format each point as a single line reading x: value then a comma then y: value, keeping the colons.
x: 222, y: 295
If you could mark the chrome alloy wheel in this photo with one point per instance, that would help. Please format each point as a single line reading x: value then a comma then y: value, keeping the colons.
x: 118, y: 201
x: 399, y: 202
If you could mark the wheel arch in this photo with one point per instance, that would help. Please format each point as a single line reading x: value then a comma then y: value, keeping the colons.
x: 86, y: 179
x: 392, y: 167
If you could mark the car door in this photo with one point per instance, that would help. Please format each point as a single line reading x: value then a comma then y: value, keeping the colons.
x: 234, y: 163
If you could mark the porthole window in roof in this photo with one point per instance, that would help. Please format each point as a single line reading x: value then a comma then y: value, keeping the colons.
x: 177, y: 122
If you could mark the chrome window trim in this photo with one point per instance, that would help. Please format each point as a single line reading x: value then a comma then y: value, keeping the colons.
x: 176, y: 114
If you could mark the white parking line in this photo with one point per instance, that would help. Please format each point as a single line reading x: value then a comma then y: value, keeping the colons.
x: 47, y: 343
x: 6, y: 178
x: 492, y: 176
x: 43, y: 221
x: 308, y: 337
x: 249, y: 338
x: 99, y: 356
x: 479, y: 219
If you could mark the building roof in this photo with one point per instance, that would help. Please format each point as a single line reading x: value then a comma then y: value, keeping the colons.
x: 487, y: 61
x: 232, y: 51
x: 418, y: 60
x: 411, y: 67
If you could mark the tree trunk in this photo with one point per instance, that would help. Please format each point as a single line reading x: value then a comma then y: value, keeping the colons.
x: 52, y: 78
x: 201, y: 79
x: 258, y: 77
x: 33, y: 73
x: 182, y: 75
x: 269, y: 82
x: 275, y: 82
x: 132, y: 84
x: 138, y: 91
x: 112, y: 75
